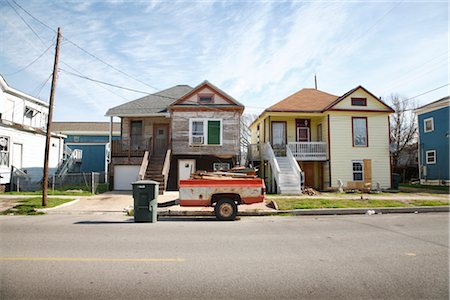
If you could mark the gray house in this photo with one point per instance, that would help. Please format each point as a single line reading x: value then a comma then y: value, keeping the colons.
x: 183, y: 129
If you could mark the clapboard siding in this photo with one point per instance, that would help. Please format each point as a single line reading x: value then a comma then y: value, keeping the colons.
x: 230, y: 133
x: 343, y: 152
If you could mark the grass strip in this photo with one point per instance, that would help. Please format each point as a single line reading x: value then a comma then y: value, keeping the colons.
x: 426, y: 187
x: 296, y: 203
x: 52, y: 193
x: 28, y: 206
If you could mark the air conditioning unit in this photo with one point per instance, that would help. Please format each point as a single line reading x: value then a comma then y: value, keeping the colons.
x: 197, y: 140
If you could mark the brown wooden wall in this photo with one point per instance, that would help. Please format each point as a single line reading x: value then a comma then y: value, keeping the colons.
x: 230, y: 136
x: 147, y: 126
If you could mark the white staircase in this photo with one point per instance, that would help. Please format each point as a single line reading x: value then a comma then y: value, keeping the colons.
x: 289, y: 181
x: 286, y: 171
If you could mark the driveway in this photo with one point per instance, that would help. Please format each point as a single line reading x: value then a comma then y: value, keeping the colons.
x: 115, y: 202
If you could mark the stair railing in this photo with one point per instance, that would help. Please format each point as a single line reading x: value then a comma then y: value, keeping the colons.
x: 76, y: 155
x: 296, y: 168
x: 166, y: 167
x: 144, y: 165
x: 268, y: 152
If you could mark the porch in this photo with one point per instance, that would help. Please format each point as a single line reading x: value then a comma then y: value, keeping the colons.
x: 129, y: 148
x: 302, y: 151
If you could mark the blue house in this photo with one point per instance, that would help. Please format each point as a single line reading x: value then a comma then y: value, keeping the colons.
x: 433, y: 120
x: 90, y: 137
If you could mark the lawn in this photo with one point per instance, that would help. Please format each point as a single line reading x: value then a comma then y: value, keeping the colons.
x: 297, y: 203
x: 52, y: 193
x: 28, y: 206
x: 426, y: 187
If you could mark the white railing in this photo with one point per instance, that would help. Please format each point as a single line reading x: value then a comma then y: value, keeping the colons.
x: 308, y: 150
x: 74, y: 156
x: 296, y: 168
x: 144, y: 165
x: 268, y: 152
x: 166, y: 167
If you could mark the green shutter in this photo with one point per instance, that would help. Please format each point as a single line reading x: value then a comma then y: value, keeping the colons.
x: 213, y: 132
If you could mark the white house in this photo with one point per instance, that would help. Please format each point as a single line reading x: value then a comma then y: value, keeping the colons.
x: 23, y: 122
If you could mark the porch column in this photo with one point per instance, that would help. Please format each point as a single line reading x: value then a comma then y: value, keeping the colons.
x: 108, y: 159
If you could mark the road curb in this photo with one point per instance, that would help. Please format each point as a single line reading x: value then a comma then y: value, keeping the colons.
x: 59, y: 206
x: 312, y: 212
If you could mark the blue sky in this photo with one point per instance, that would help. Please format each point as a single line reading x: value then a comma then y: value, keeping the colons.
x: 258, y: 52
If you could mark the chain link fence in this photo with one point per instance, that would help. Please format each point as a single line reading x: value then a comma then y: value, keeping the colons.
x: 93, y: 182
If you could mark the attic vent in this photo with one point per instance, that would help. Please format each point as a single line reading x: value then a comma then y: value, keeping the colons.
x: 205, y: 98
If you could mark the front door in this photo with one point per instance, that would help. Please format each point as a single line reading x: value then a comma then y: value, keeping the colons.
x: 136, y: 135
x: 161, y: 134
x: 278, y: 136
x: 17, y: 155
x: 185, y: 168
x: 303, y: 130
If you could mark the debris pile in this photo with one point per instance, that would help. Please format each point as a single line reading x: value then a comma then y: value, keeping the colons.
x: 236, y: 172
x: 311, y: 192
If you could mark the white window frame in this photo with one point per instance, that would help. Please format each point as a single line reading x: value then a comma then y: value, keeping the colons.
x: 205, y: 131
x: 434, y: 157
x: 6, y: 154
x: 425, y: 125
x: 362, y: 171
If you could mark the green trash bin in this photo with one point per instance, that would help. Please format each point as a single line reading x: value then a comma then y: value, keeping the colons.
x: 395, y: 181
x: 145, y: 195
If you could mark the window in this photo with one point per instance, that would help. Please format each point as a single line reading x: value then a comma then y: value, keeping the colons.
x: 359, y: 102
x: 4, y: 151
x: 205, y: 132
x: 221, y: 166
x: 428, y: 125
x: 136, y: 135
x: 205, y: 98
x: 359, y: 131
x: 197, y: 133
x: 358, y: 170
x: 431, y: 157
x: 30, y: 112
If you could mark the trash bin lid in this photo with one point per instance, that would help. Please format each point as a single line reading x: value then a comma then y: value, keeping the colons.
x: 146, y: 182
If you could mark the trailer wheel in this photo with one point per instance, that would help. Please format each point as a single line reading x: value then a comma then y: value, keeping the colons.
x: 225, y: 210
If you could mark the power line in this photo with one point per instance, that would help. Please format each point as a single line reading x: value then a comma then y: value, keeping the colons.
x: 424, y: 93
x: 85, y: 51
x: 38, y: 89
x: 26, y: 23
x: 31, y: 63
x: 107, y: 83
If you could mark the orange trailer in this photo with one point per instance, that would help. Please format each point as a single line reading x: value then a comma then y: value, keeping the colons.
x: 222, y: 194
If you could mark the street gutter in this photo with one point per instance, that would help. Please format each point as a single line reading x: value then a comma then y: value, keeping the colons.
x: 321, y: 211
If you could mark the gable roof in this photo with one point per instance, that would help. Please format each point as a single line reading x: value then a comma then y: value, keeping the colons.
x: 152, y: 104
x: 305, y: 100
x: 202, y: 85
x: 63, y: 127
x: 313, y: 100
x: 351, y: 92
x: 443, y: 102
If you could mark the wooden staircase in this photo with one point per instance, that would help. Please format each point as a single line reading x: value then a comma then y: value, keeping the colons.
x: 154, y: 171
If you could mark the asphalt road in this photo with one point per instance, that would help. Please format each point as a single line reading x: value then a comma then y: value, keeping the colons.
x: 106, y: 257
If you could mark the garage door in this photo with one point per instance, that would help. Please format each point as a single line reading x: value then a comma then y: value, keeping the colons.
x: 124, y: 176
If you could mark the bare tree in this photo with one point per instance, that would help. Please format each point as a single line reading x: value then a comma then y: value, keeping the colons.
x: 403, y: 127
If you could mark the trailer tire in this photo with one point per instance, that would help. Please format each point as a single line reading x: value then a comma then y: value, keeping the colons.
x: 225, y: 210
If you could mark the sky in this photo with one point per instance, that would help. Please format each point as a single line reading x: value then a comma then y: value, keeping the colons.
x: 259, y: 52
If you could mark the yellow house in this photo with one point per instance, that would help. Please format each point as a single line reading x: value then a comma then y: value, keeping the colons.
x: 316, y: 139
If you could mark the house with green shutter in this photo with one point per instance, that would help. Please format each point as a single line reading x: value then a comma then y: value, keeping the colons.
x: 169, y: 135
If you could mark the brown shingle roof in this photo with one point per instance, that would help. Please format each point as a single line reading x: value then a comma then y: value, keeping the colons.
x: 305, y: 100
x: 83, y: 126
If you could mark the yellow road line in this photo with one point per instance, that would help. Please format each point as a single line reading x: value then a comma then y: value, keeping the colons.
x: 87, y: 259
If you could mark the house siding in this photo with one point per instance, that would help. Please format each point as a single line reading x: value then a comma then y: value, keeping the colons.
x: 230, y: 133
x: 147, y: 129
x: 435, y: 140
x: 343, y: 152
x: 372, y: 103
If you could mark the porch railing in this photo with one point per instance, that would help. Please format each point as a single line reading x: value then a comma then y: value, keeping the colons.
x: 309, y: 150
x: 296, y: 168
x: 131, y: 148
x: 268, y: 152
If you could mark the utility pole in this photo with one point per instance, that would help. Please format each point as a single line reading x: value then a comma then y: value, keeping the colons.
x: 49, y: 121
x: 315, y: 81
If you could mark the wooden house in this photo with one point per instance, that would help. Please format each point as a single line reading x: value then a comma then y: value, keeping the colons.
x: 316, y: 139
x: 183, y: 129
